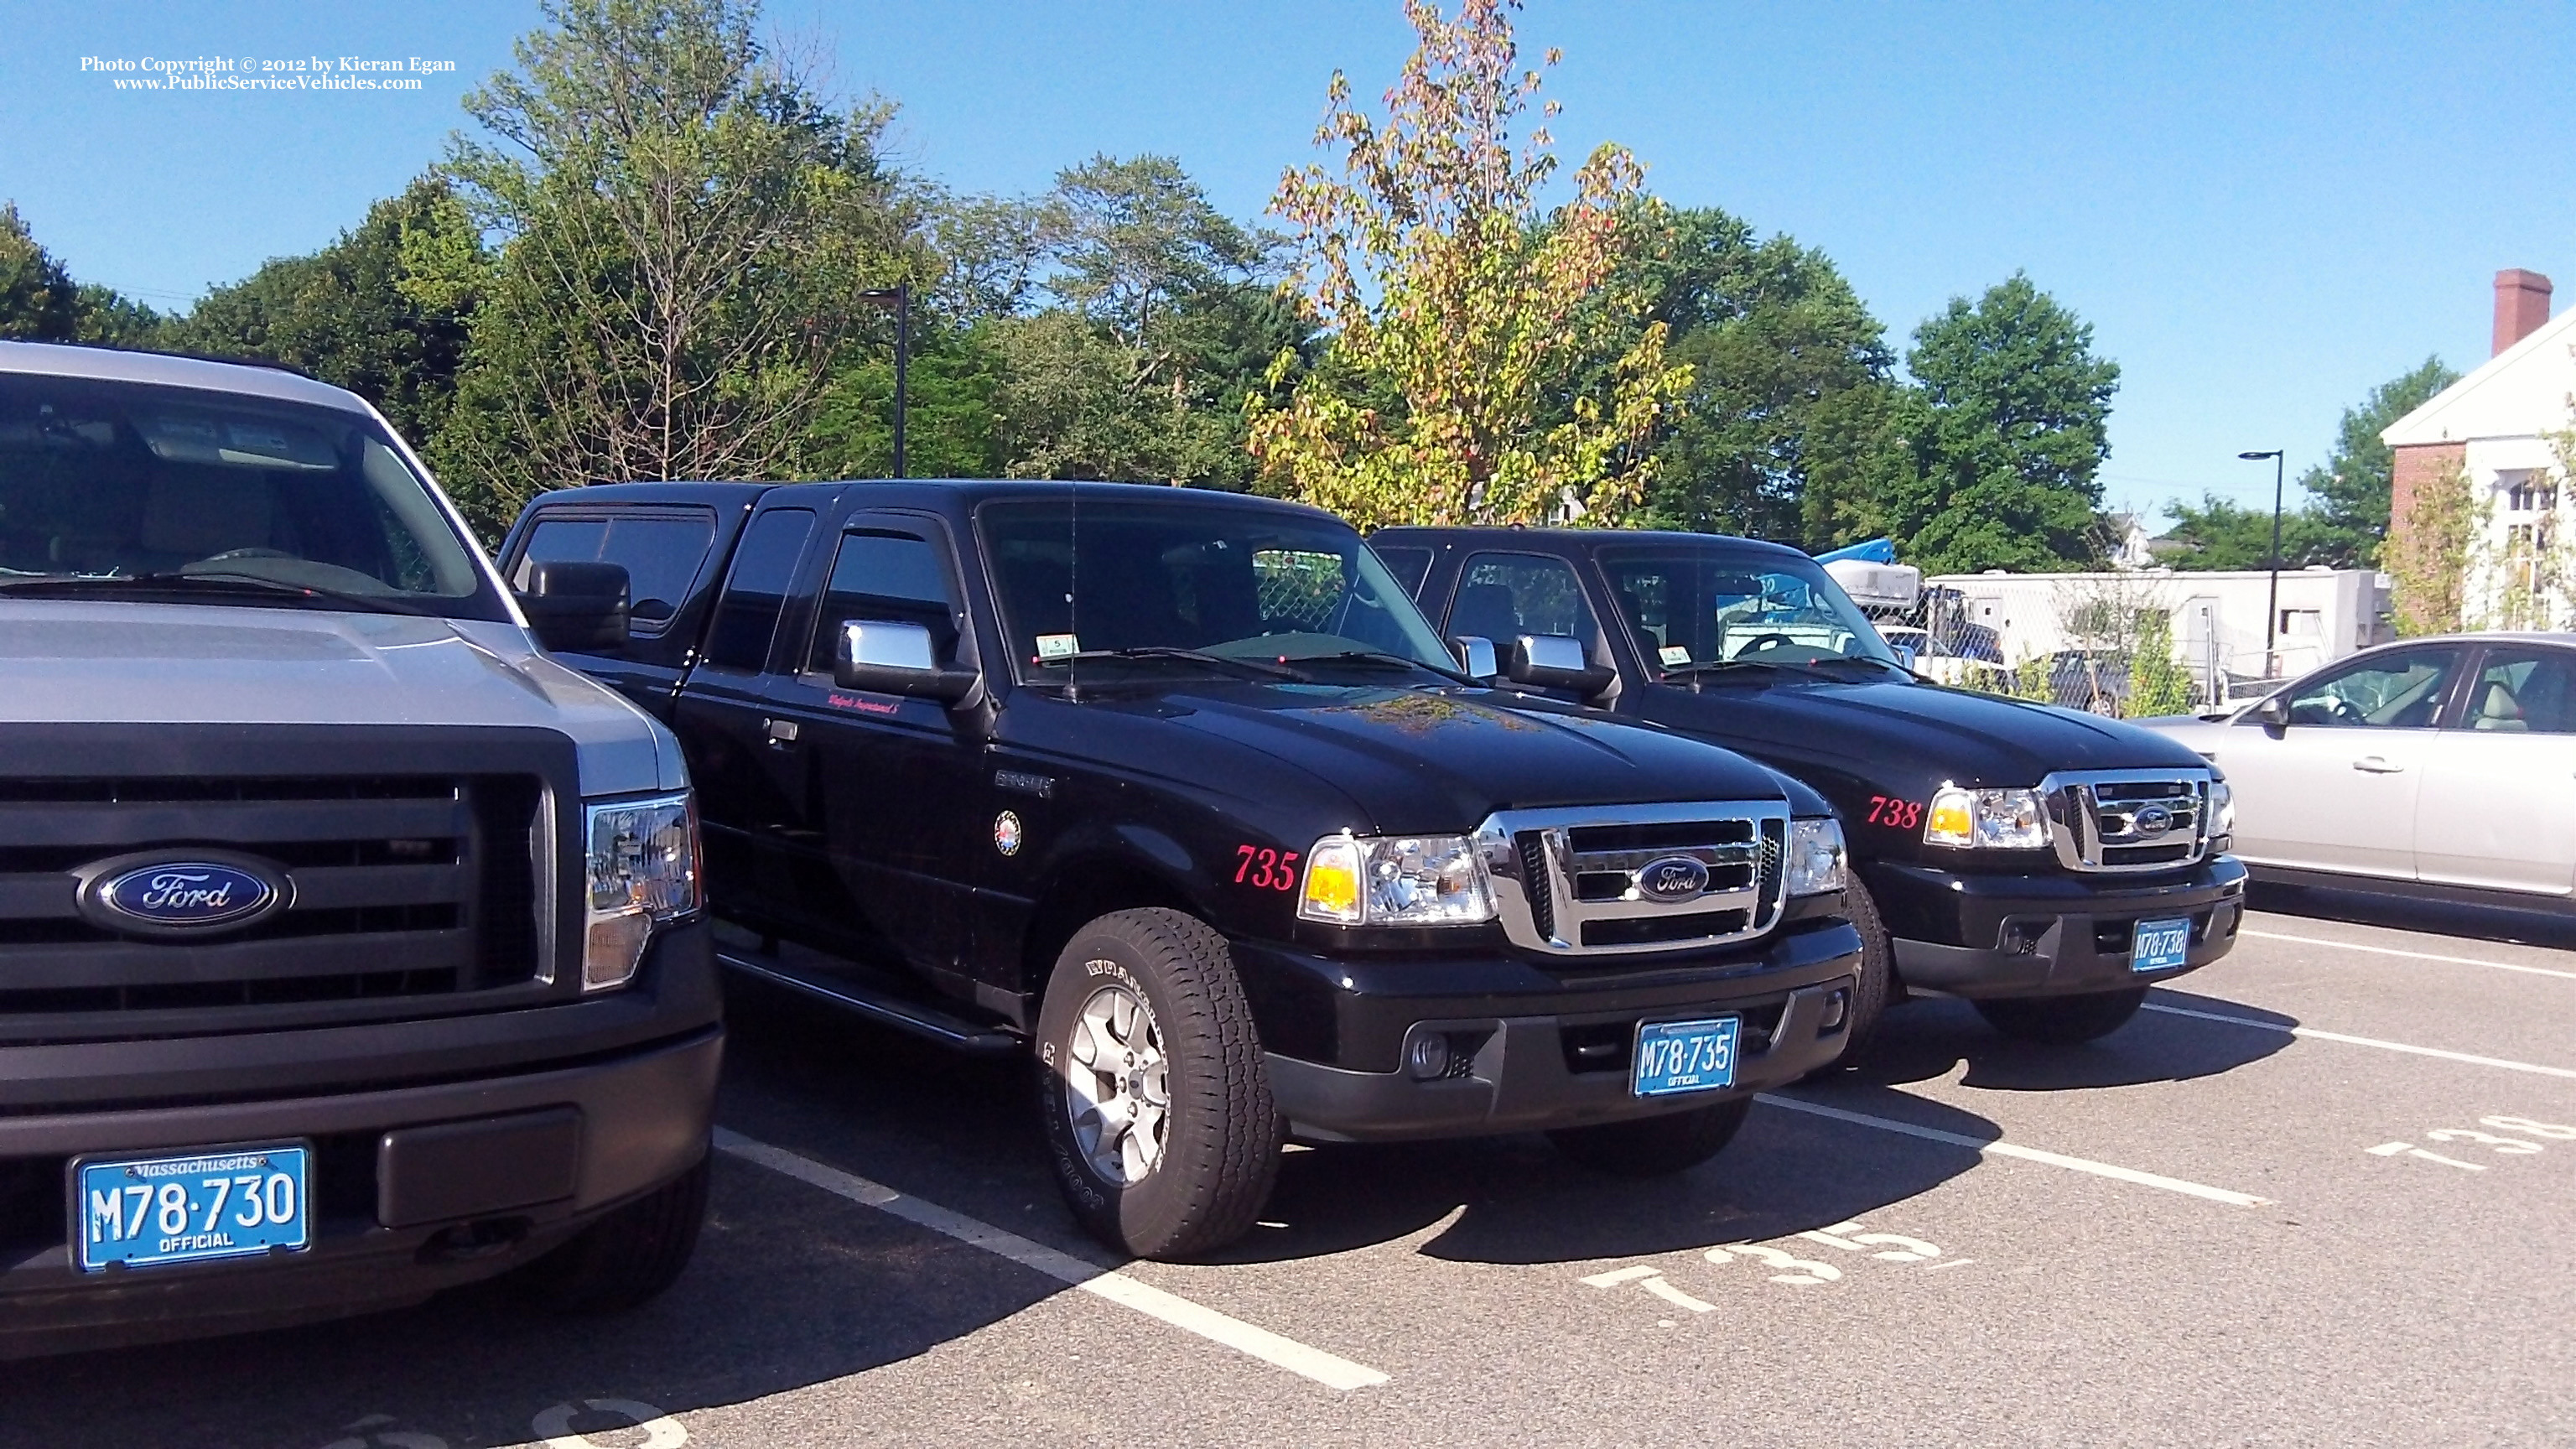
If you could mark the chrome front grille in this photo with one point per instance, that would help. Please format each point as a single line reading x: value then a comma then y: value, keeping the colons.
x: 2128, y: 820
x: 1575, y: 882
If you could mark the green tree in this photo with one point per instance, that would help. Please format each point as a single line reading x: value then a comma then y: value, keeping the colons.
x: 40, y: 302
x: 2227, y: 535
x: 2009, y: 436
x: 686, y: 230
x: 2431, y: 569
x: 949, y: 424
x: 1447, y: 286
x: 383, y: 311
x: 2158, y: 683
x: 2351, y: 490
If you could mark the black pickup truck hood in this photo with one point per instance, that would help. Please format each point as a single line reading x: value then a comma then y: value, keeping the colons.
x: 1971, y: 739
x: 1439, y: 760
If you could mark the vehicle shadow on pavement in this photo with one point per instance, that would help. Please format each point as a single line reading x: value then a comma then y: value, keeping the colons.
x: 2439, y: 918
x: 1928, y: 1039
x: 789, y: 1288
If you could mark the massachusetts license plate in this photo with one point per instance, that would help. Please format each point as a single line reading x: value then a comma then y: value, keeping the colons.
x: 2160, y: 945
x: 221, y: 1203
x: 1684, y: 1056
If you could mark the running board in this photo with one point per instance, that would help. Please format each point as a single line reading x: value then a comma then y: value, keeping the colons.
x: 921, y: 1020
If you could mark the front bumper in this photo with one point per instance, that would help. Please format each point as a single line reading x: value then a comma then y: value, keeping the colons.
x: 1531, y: 1049
x: 2054, y: 934
x: 418, y: 1184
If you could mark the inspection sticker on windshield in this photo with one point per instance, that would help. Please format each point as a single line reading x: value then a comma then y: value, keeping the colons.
x: 1674, y: 655
x: 1684, y: 1056
x: 234, y: 1203
x: 1057, y: 646
x: 2160, y: 945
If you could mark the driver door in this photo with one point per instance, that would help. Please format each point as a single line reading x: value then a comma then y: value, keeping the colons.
x: 2336, y: 788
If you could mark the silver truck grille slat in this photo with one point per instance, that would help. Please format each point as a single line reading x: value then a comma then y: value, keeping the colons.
x: 1567, y: 880
x: 2120, y: 821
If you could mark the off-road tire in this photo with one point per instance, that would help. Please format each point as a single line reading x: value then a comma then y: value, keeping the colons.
x: 1222, y: 1133
x: 2063, y: 1020
x: 1655, y: 1146
x: 627, y: 1258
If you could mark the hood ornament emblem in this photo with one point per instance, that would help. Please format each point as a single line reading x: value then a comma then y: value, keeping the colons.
x: 1673, y: 878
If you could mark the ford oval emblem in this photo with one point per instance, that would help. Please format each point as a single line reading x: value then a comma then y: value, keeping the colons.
x: 145, y: 895
x: 1673, y: 878
x: 2151, y: 820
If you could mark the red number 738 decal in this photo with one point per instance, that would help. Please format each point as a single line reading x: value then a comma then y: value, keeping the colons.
x: 1271, y: 870
x: 1888, y: 810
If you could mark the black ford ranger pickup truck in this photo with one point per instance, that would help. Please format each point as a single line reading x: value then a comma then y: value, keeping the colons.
x: 1177, y: 790
x: 2048, y: 865
x: 350, y: 947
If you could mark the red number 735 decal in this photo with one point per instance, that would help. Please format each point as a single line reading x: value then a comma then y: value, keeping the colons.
x: 1271, y: 870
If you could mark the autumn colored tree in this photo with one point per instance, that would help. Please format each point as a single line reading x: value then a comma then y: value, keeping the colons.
x: 1455, y: 304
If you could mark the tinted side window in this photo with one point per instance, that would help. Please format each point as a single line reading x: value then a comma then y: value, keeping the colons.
x: 660, y: 553
x: 1409, y: 565
x: 2401, y: 691
x: 2523, y: 691
x: 885, y: 575
x: 1505, y: 595
x: 763, y: 567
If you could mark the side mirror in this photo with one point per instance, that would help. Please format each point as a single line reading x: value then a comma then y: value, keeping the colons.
x: 2272, y: 713
x: 890, y: 658
x: 1554, y: 661
x: 1905, y: 656
x: 576, y: 606
x: 1475, y: 656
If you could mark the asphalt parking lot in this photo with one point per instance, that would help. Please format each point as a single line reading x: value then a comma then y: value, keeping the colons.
x: 2318, y: 1193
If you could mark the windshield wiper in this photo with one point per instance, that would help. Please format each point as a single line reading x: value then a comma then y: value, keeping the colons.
x: 1254, y: 668
x: 1389, y: 657
x: 236, y: 585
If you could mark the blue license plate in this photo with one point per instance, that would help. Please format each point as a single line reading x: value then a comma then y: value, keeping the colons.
x: 2160, y: 945
x: 1684, y: 1056
x: 230, y: 1202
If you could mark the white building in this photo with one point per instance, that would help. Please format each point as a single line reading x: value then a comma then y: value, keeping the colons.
x: 2217, y: 617
x: 2502, y: 424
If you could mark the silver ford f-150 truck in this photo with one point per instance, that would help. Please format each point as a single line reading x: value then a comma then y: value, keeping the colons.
x: 350, y: 948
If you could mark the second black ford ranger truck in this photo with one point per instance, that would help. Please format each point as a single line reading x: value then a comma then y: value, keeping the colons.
x: 1178, y: 790
x: 2046, y: 864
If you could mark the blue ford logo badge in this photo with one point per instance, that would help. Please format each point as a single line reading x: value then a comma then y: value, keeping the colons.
x: 176, y: 896
x: 1673, y: 878
x: 2151, y: 820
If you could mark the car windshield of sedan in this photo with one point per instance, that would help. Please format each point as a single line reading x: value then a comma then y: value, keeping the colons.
x: 1702, y: 607
x: 129, y: 490
x: 1143, y: 585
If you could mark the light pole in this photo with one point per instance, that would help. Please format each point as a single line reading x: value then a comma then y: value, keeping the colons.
x: 899, y: 298
x: 2272, y: 608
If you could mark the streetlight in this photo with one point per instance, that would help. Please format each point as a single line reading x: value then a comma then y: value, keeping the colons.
x: 2272, y: 609
x: 899, y: 298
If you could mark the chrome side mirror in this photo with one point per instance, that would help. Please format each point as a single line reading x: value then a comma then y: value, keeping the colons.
x: 1554, y: 661
x: 890, y: 658
x: 1475, y: 656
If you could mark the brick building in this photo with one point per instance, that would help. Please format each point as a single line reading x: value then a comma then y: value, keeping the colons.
x: 2501, y: 425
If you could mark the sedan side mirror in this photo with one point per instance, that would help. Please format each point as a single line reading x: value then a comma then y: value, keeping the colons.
x: 2272, y: 713
x: 1554, y: 661
x: 891, y: 658
x: 576, y: 606
x: 1475, y: 656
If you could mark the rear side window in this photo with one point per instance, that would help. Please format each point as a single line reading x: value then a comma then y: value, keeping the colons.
x: 887, y: 575
x: 1409, y: 565
x: 763, y: 568
x: 2524, y: 691
x: 1502, y: 596
x: 660, y: 551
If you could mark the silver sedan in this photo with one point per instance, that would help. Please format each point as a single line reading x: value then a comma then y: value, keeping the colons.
x: 2440, y: 767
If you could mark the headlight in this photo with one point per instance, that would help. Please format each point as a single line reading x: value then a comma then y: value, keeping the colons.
x: 1986, y: 819
x: 2222, y: 809
x: 1815, y: 857
x: 642, y: 870
x: 1411, y: 880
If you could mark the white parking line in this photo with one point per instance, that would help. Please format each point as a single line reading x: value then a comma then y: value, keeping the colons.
x: 2025, y: 1154
x: 2415, y: 955
x: 1118, y: 1288
x: 2313, y: 1034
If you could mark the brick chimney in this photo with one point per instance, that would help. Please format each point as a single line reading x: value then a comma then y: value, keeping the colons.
x: 2521, y: 305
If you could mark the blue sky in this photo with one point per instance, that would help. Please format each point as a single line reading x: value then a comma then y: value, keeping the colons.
x: 2263, y: 210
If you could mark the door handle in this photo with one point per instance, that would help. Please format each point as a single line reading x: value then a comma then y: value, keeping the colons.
x: 2377, y: 765
x: 782, y: 732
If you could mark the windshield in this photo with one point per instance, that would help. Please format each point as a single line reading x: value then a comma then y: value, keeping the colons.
x: 1701, y: 607
x: 106, y: 484
x: 1238, y: 582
